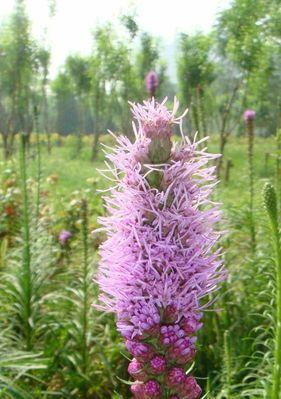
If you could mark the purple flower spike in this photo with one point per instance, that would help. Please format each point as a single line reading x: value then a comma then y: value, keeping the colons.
x: 158, y: 364
x: 152, y: 390
x: 151, y: 81
x: 249, y: 115
x: 64, y: 237
x: 160, y: 257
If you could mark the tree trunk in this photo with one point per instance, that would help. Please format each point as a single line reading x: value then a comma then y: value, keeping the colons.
x: 195, y: 117
x: 5, y: 146
x: 223, y: 134
x: 95, y: 146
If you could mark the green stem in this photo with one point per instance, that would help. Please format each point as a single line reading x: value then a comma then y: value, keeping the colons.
x: 250, y: 136
x: 277, y: 356
x: 38, y: 147
x: 278, y: 165
x: 227, y: 364
x: 26, y: 258
x: 195, y: 115
x: 85, y: 283
x: 201, y: 110
x: 270, y: 201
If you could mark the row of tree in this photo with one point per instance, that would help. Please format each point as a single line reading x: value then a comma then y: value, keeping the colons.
x: 219, y: 74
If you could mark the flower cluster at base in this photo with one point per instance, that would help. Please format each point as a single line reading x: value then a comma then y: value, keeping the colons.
x: 158, y: 261
x: 151, y: 370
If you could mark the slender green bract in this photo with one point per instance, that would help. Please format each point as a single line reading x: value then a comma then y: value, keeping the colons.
x: 270, y: 201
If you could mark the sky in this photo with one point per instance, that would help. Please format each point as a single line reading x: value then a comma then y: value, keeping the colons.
x: 70, y: 29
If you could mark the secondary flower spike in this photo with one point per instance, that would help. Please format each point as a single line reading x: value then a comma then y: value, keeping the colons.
x: 152, y: 82
x: 159, y: 259
x: 249, y: 115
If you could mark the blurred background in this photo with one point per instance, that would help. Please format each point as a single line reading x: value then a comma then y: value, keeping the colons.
x: 67, y: 71
x: 80, y: 62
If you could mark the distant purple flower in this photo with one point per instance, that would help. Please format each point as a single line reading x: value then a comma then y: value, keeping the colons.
x: 159, y: 260
x: 64, y: 237
x: 249, y: 115
x: 151, y: 81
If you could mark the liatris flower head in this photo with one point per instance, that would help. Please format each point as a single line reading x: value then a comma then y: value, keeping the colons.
x: 191, y: 324
x: 152, y: 390
x: 158, y: 364
x: 175, y: 377
x: 155, y: 122
x: 189, y: 389
x: 249, y: 115
x: 183, y: 350
x: 135, y: 369
x: 137, y: 390
x: 64, y: 237
x: 159, y: 261
x: 154, y: 119
x: 152, y: 82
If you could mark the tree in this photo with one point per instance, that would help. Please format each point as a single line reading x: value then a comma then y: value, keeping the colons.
x: 65, y: 105
x: 112, y: 81
x: 43, y: 59
x: 17, y: 63
x: 195, y: 73
x: 78, y: 69
x: 244, y: 37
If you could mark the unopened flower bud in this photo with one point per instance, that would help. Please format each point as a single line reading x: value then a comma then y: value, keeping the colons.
x: 158, y: 364
x: 135, y: 369
x: 141, y: 351
x: 137, y: 390
x: 152, y: 390
x: 175, y: 377
x: 189, y: 389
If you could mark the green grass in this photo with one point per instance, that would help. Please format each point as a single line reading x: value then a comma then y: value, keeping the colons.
x: 232, y: 345
x: 73, y: 171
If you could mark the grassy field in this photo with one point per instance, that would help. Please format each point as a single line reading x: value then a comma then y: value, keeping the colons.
x: 74, y: 170
x: 69, y: 349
